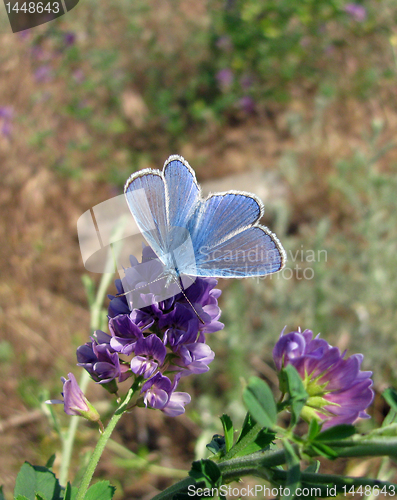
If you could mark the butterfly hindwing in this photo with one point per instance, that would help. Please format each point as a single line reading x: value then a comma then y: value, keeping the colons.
x: 253, y: 252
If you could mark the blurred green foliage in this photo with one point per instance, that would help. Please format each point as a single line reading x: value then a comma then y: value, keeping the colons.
x: 197, y: 76
x: 339, y: 278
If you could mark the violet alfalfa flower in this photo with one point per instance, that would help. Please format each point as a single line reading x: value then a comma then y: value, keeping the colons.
x: 6, y: 114
x: 125, y: 334
x: 74, y: 401
x: 193, y: 358
x: 69, y: 38
x: 247, y: 104
x: 176, y: 401
x: 159, y: 394
x: 181, y: 325
x: 43, y: 74
x: 356, y: 11
x: 150, y: 352
x: 101, y: 362
x: 118, y: 303
x: 203, y: 296
x: 339, y: 392
x: 225, y: 78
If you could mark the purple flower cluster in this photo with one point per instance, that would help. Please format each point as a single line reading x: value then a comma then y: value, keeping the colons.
x: 339, y: 392
x: 164, y: 337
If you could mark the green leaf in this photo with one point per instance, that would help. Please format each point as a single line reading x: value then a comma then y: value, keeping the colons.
x: 337, y: 432
x: 292, y: 382
x: 262, y: 441
x: 314, y: 429
x: 21, y: 497
x: 248, y: 424
x: 313, y: 467
x: 100, y: 491
x: 228, y: 431
x: 33, y: 479
x: 2, y: 497
x: 323, y: 450
x: 206, y: 471
x: 390, y: 395
x: 50, y: 461
x: 293, y: 472
x: 391, y: 418
x: 260, y: 402
x: 217, y: 444
x: 70, y: 492
x: 295, y: 385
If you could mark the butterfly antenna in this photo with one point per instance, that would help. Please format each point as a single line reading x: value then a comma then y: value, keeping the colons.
x: 180, y: 285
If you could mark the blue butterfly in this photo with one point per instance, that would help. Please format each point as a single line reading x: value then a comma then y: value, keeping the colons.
x: 218, y: 236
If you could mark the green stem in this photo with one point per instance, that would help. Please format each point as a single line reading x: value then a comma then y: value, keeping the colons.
x: 96, y: 454
x: 95, y: 324
x: 373, y: 448
x: 252, y: 464
x: 69, y: 436
x: 332, y: 479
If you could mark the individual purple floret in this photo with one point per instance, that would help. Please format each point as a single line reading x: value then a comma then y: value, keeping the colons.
x: 101, y: 362
x: 157, y: 391
x: 43, y: 74
x: 6, y: 115
x: 164, y: 336
x: 247, y: 104
x: 177, y: 400
x: 159, y: 394
x: 69, y: 38
x: 225, y: 78
x: 118, y: 304
x: 74, y: 401
x: 339, y: 392
x: 125, y: 334
x: 150, y: 352
x: 194, y: 358
x: 181, y: 324
x: 356, y: 11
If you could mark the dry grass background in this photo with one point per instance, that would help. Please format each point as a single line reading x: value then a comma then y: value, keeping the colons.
x: 43, y: 314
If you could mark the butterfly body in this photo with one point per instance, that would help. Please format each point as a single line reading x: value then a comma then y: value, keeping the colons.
x: 217, y: 236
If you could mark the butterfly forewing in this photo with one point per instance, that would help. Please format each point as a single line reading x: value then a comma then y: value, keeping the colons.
x: 223, y: 215
x: 182, y: 192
